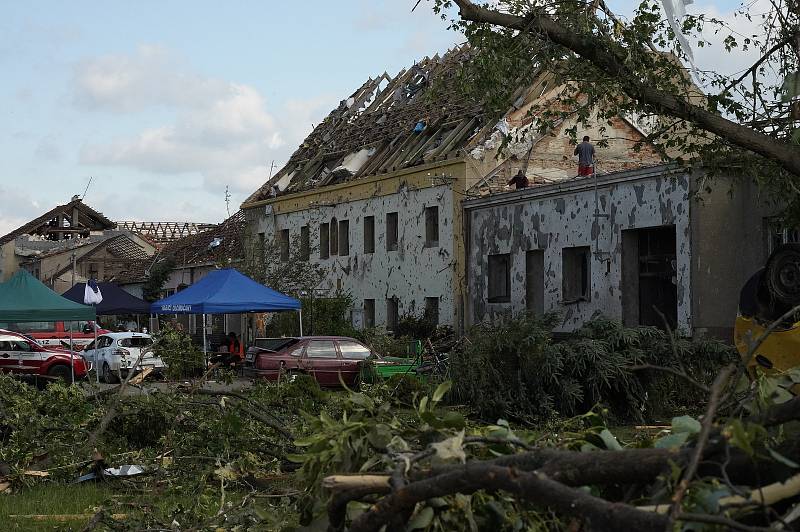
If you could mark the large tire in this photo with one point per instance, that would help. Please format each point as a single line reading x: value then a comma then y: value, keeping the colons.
x: 61, y: 372
x: 782, y: 274
x: 108, y: 376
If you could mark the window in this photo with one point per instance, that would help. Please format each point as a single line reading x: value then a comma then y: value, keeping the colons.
x: 431, y: 227
x: 305, y: 243
x: 261, y: 243
x: 353, y: 350
x: 534, y: 280
x: 283, y: 242
x: 324, y: 233
x: 334, y: 249
x: 29, y: 326
x: 391, y: 231
x: 138, y: 341
x: 432, y: 309
x: 19, y: 345
x: 369, y: 313
x: 391, y: 313
x: 297, y: 351
x: 321, y: 349
x: 575, y: 274
x: 369, y: 234
x: 500, y: 278
x: 344, y: 238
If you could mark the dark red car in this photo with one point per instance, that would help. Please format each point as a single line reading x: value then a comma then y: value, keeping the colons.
x: 326, y: 358
x: 22, y: 355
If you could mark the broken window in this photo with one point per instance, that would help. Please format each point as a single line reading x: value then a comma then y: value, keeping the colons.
x: 334, y: 239
x: 431, y: 227
x: 392, y: 313
x: 344, y: 238
x: 305, y: 243
x: 575, y: 274
x: 391, y: 231
x: 283, y: 242
x: 369, y: 313
x: 500, y: 278
x: 324, y: 234
x: 369, y: 234
x: 432, y: 309
x: 534, y: 280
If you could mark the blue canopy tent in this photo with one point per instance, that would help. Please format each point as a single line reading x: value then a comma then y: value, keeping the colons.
x: 226, y: 292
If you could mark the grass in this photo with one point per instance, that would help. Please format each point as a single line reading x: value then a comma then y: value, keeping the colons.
x: 52, y: 499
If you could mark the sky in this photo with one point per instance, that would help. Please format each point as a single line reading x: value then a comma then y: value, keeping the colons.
x: 165, y: 104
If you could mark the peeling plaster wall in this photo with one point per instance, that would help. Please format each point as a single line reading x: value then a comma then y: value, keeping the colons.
x: 411, y: 273
x: 556, y: 216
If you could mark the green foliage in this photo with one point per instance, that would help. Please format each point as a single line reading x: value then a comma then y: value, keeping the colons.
x: 329, y: 316
x: 181, y: 356
x: 386, y: 344
x: 159, y: 273
x: 514, y: 369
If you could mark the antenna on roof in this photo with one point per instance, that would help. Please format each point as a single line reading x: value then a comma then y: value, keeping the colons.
x: 87, y: 187
x: 227, y: 201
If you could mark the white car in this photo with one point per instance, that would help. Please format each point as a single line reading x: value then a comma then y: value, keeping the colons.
x: 117, y: 353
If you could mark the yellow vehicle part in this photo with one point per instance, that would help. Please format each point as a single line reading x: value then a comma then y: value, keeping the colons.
x: 779, y: 352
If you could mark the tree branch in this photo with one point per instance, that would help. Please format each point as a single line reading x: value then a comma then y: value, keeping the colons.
x: 604, y: 58
x: 535, y: 487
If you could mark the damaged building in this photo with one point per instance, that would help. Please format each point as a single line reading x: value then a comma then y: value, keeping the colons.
x: 374, y: 194
x: 71, y: 242
x: 632, y: 245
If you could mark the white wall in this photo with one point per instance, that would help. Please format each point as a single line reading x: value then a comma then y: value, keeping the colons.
x: 557, y: 216
x: 411, y: 273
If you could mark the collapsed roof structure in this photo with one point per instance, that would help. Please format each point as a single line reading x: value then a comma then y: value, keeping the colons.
x: 419, y: 116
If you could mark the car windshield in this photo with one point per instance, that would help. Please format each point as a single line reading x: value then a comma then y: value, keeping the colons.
x: 30, y: 326
x: 136, y: 341
x: 353, y: 350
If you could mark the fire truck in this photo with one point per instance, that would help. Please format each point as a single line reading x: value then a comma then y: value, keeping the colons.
x: 48, y: 333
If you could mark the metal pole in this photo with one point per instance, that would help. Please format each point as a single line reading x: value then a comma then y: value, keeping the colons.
x: 96, y: 368
x: 205, y: 350
x: 300, y: 311
x: 71, y: 355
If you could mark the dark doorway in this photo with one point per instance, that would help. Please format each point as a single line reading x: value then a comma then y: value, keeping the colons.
x: 649, y: 277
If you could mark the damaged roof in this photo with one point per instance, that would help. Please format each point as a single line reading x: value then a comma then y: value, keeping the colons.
x: 418, y: 116
x: 88, y: 219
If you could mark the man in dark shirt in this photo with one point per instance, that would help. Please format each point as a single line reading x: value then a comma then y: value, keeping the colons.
x: 520, y: 180
x: 585, y: 153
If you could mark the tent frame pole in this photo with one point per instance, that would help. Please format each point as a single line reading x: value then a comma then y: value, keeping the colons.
x: 300, y: 312
x: 96, y: 362
x: 205, y: 336
x: 71, y: 354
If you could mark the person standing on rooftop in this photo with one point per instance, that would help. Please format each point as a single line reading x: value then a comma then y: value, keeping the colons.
x: 585, y: 153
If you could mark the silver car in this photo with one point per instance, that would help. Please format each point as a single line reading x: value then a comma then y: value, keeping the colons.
x: 115, y: 355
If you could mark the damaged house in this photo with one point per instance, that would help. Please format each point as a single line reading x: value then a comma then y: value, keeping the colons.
x: 632, y: 245
x: 374, y: 193
x: 72, y: 242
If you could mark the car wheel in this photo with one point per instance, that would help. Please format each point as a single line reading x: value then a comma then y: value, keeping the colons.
x: 61, y: 372
x: 782, y: 274
x: 108, y: 375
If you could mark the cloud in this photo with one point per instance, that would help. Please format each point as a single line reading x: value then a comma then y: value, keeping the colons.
x: 221, y: 130
x: 151, y: 77
x: 17, y: 209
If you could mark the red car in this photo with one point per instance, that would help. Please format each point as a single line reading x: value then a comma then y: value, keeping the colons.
x: 22, y: 355
x: 56, y: 334
x: 324, y: 357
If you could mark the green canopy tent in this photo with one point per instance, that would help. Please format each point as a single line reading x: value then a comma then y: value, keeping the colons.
x: 25, y: 298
